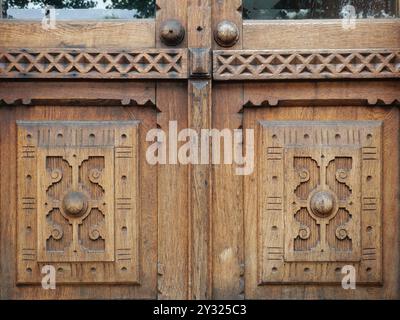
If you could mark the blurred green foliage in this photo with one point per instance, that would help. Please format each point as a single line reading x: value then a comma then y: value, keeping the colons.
x: 145, y: 8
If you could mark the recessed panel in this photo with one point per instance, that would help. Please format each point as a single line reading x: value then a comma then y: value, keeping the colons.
x: 78, y: 201
x: 320, y: 201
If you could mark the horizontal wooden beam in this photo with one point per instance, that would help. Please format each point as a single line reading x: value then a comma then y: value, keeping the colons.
x: 131, y: 34
x: 94, y: 63
x: 316, y: 34
x: 306, y: 64
x: 77, y: 93
x: 321, y: 93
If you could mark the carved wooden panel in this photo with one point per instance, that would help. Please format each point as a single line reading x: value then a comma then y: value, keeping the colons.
x: 319, y: 201
x: 78, y: 201
x: 311, y: 64
x: 93, y: 63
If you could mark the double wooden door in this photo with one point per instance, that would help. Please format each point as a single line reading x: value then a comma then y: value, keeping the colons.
x: 317, y: 106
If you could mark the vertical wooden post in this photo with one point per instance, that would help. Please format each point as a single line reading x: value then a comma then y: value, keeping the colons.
x: 199, y: 106
x: 172, y: 178
x: 227, y: 196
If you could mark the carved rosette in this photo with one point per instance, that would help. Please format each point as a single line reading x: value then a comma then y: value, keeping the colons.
x: 320, y: 192
x: 77, y: 186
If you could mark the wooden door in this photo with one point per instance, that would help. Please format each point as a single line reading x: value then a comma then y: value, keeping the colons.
x: 77, y: 102
x: 313, y: 102
x: 322, y: 98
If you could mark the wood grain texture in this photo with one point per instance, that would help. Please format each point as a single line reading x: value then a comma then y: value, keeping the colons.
x: 116, y: 93
x: 173, y: 215
x: 79, y: 34
x: 317, y: 34
x: 389, y: 290
x: 319, y: 201
x: 94, y: 63
x: 310, y: 64
x: 200, y: 195
x: 227, y: 201
x: 199, y: 118
x: 78, y: 201
x: 147, y: 200
x: 227, y: 190
x: 199, y: 24
x: 340, y: 93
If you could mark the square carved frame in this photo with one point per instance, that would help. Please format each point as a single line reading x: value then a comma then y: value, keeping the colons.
x: 319, y: 192
x: 78, y: 181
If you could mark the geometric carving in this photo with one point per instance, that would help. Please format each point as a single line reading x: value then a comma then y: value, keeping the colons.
x: 319, y: 193
x: 91, y: 63
x: 269, y: 64
x: 78, y: 191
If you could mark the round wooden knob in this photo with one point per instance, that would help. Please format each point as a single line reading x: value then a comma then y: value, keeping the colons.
x: 322, y: 203
x: 172, y: 32
x: 75, y: 204
x: 226, y: 34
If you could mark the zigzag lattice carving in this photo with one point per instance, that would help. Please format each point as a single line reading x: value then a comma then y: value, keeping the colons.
x: 264, y: 64
x: 88, y: 63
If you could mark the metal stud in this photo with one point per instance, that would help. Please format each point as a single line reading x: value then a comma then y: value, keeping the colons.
x: 226, y: 34
x: 172, y: 32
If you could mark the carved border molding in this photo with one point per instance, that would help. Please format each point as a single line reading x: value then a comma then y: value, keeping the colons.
x: 39, y: 209
x: 319, y: 93
x: 174, y: 64
x: 94, y: 64
x: 78, y: 93
x: 316, y: 64
x: 283, y: 194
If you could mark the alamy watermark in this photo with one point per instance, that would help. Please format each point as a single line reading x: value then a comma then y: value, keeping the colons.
x: 349, y: 17
x: 349, y: 280
x: 209, y: 146
x: 49, y: 278
x: 49, y: 18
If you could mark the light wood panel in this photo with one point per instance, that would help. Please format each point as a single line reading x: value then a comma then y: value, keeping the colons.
x: 227, y: 201
x: 390, y: 220
x: 318, y: 34
x: 173, y: 215
x: 199, y: 118
x: 79, y: 34
x: 147, y: 202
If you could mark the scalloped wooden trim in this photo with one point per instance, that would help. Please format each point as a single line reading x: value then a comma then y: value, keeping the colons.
x: 78, y: 93
x: 320, y: 93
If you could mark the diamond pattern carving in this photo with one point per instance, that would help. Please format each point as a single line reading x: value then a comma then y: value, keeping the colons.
x: 258, y: 65
x: 64, y: 63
